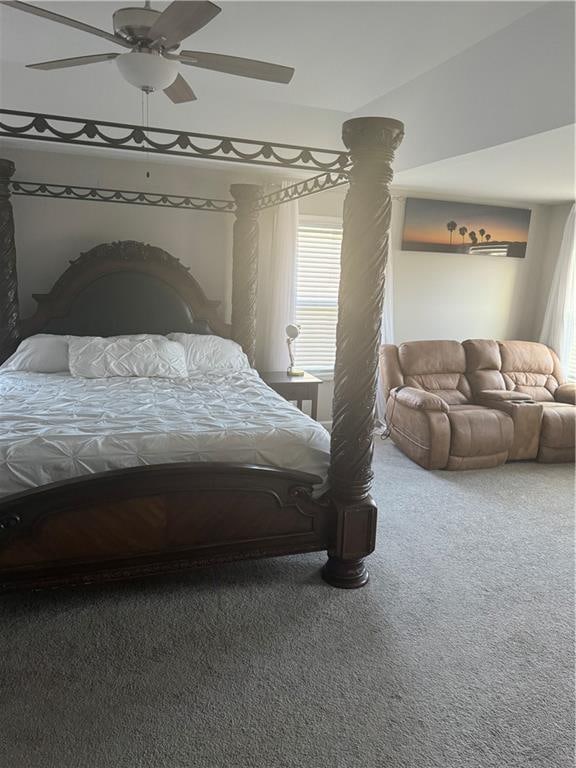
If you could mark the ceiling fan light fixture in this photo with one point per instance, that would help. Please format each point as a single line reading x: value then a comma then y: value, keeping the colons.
x: 147, y: 71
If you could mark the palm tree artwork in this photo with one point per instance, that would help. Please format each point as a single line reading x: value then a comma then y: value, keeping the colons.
x: 450, y: 226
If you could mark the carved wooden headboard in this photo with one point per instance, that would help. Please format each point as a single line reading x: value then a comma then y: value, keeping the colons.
x: 125, y: 288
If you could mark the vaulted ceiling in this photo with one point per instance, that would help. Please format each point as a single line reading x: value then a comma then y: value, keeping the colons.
x: 464, y: 76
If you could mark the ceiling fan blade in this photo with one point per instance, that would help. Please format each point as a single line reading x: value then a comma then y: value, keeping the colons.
x: 181, y: 19
x: 59, y: 19
x: 180, y: 91
x: 233, y: 65
x: 77, y: 61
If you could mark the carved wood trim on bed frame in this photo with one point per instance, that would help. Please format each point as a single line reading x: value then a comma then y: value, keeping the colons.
x: 8, y: 275
x: 130, y: 257
x: 372, y: 142
x: 245, y: 267
x: 167, y: 517
x: 157, y: 519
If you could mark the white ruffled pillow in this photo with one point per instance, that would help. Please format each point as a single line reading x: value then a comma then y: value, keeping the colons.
x: 43, y: 353
x: 154, y: 357
x: 206, y: 354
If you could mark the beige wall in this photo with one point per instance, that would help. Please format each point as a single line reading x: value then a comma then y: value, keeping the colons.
x: 450, y: 296
x: 51, y: 232
x: 435, y: 295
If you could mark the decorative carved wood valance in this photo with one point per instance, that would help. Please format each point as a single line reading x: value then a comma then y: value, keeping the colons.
x: 128, y: 197
x: 165, y: 141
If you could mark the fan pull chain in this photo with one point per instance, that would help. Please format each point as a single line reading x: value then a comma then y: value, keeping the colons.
x: 147, y: 130
x: 143, y: 114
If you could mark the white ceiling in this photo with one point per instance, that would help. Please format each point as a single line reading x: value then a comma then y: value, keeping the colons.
x: 538, y: 169
x: 346, y: 54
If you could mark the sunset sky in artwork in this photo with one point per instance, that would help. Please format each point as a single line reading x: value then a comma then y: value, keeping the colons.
x: 425, y: 221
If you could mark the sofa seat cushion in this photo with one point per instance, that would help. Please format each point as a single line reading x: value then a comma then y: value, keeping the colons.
x: 445, y: 385
x: 558, y: 425
x: 478, y: 431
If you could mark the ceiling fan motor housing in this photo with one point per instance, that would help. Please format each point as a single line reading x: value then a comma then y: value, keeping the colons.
x: 133, y: 24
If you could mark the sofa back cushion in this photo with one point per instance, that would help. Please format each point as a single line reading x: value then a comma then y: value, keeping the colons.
x: 522, y: 366
x: 483, y: 364
x: 530, y: 367
x: 436, y: 366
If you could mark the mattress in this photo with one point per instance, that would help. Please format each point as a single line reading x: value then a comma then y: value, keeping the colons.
x: 54, y: 426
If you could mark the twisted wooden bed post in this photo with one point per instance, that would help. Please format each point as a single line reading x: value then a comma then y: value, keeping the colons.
x: 367, y: 209
x: 245, y: 267
x: 9, y: 314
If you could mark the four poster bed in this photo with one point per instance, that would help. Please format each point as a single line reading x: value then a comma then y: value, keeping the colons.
x: 170, y: 515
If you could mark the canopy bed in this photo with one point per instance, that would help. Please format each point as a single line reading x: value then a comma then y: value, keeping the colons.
x: 168, y: 515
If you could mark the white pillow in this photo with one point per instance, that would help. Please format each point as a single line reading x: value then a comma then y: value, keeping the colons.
x: 205, y: 354
x: 95, y: 357
x: 43, y: 353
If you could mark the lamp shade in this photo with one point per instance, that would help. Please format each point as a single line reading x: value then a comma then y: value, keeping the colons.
x: 292, y: 331
x: 147, y: 71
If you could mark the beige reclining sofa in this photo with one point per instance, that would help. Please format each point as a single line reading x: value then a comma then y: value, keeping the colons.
x: 477, y: 404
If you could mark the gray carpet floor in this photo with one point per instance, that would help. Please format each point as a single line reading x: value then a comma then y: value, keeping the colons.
x: 458, y: 653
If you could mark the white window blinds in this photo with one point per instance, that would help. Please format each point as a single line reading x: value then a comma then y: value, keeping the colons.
x: 317, y: 281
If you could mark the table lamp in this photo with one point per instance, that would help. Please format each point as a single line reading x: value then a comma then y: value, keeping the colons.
x: 292, y: 333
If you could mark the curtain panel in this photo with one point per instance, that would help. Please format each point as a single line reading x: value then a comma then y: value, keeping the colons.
x: 276, y: 282
x: 558, y: 328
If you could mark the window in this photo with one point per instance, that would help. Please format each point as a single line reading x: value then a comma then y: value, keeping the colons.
x: 317, y: 281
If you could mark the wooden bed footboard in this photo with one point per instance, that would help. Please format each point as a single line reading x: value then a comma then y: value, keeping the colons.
x: 158, y: 519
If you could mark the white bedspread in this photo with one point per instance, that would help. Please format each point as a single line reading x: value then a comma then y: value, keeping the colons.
x: 54, y: 426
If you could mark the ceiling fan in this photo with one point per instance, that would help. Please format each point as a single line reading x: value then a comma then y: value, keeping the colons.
x: 153, y: 39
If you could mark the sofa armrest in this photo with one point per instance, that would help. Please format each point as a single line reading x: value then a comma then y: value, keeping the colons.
x: 502, y: 396
x: 422, y: 433
x: 566, y: 393
x: 418, y: 399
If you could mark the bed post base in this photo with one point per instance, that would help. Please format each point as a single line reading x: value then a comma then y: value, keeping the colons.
x: 366, y: 221
x: 355, y: 538
x: 345, y: 574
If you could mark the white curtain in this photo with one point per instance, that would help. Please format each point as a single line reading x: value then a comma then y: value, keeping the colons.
x: 276, y: 282
x: 558, y: 329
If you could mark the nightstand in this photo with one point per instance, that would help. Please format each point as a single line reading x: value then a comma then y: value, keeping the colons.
x: 296, y: 388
